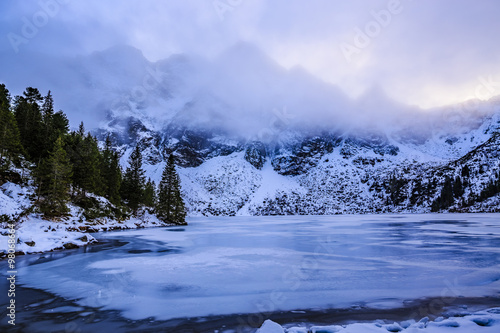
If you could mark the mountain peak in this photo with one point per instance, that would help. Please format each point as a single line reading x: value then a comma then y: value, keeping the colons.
x: 120, y: 49
x: 121, y: 53
x: 246, y: 54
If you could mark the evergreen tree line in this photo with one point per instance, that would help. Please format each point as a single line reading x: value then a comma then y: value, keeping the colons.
x: 394, y: 187
x: 421, y: 191
x: 492, y: 189
x: 452, y: 189
x: 68, y: 165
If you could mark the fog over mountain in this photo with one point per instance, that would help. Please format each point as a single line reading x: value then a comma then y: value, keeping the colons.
x: 241, y: 92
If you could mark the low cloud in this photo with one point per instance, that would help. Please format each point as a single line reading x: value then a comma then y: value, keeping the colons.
x: 427, y: 53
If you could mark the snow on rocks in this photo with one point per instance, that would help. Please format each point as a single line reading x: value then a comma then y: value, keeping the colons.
x: 35, y: 234
x: 487, y: 321
x: 325, y: 329
x: 270, y: 326
x: 38, y: 235
x: 13, y: 199
x: 220, y: 186
x: 297, y: 330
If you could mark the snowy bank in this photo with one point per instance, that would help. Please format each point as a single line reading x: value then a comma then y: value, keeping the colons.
x: 35, y: 234
x: 487, y: 321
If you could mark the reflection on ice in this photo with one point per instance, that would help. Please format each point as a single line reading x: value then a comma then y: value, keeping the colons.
x: 263, y: 264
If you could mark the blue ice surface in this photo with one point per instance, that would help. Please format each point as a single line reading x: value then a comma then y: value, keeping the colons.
x: 233, y: 265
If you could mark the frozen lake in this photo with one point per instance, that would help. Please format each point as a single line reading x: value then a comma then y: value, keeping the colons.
x: 243, y: 265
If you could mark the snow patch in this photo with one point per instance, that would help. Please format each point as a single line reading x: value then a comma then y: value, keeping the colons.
x: 487, y: 321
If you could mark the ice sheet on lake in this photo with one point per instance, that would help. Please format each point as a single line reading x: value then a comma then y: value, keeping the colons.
x: 263, y: 264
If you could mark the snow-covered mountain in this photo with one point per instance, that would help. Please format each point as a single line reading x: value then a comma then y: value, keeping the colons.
x: 252, y: 137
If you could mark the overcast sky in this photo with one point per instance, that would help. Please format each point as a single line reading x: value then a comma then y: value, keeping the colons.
x: 423, y: 52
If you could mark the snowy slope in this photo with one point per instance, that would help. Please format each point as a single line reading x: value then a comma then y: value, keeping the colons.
x: 349, y: 177
x: 14, y: 199
x: 328, y: 173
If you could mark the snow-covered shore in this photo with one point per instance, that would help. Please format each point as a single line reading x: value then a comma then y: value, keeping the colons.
x: 34, y: 234
x: 487, y: 321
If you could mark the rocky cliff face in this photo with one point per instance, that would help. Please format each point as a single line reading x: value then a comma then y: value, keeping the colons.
x: 326, y: 173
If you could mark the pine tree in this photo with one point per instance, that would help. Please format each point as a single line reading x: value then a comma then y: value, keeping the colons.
x: 53, y: 178
x: 30, y: 123
x: 115, y: 179
x: 85, y: 156
x: 492, y: 188
x: 10, y: 142
x: 447, y: 193
x: 89, y: 167
x: 417, y: 192
x: 179, y: 207
x: 446, y: 198
x: 60, y: 123
x: 54, y: 124
x: 436, y: 205
x: 48, y: 110
x: 458, y: 189
x: 47, y: 120
x: 395, y: 186
x: 111, y: 173
x: 81, y: 129
x: 150, y: 196
x: 133, y: 184
x: 170, y: 207
x: 73, y: 142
